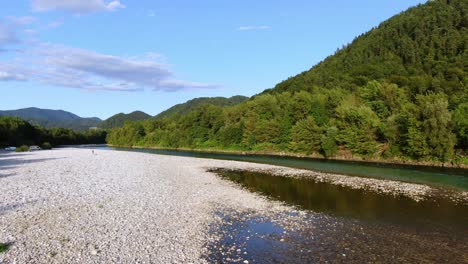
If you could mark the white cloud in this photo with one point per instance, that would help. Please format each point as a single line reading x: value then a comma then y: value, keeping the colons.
x: 114, y: 5
x: 84, y: 69
x: 56, y: 23
x: 30, y: 31
x: 23, y: 20
x: 106, y: 66
x: 151, y: 13
x: 246, y: 28
x: 9, y: 76
x: 171, y: 85
x: 76, y: 6
x: 88, y: 70
x: 7, y: 35
x: 10, y: 73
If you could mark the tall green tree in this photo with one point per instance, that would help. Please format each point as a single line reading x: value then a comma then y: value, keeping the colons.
x: 430, y: 128
x: 306, y: 136
x: 460, y: 120
x: 329, y: 143
x: 358, y: 127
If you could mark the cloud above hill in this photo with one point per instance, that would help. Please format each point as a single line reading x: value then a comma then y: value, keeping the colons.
x: 76, y: 6
x: 70, y: 67
x: 27, y: 58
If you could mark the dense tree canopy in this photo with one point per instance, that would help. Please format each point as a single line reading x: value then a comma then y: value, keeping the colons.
x: 16, y: 132
x: 53, y: 118
x: 398, y: 91
x: 119, y: 119
x: 184, y: 108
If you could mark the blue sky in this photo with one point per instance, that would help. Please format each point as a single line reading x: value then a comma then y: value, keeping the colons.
x: 101, y: 57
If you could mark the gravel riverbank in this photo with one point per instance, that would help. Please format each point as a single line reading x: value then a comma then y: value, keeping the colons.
x: 73, y: 206
x: 70, y: 206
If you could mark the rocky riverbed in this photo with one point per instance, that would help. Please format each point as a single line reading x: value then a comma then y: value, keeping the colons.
x: 73, y: 206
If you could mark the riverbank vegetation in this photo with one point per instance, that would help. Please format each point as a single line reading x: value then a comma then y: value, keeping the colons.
x: 4, y: 247
x: 22, y: 148
x: 399, y: 91
x: 16, y: 132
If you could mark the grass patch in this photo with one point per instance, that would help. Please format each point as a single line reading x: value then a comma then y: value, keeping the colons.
x: 46, y: 145
x: 23, y: 148
x: 4, y: 247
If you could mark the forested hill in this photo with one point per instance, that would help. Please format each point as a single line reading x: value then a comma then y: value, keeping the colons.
x: 119, y: 120
x: 53, y: 118
x: 398, y: 92
x: 16, y: 132
x: 190, y: 105
x: 421, y: 50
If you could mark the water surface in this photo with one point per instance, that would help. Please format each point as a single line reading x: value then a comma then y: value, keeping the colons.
x: 360, y: 204
x: 338, y: 224
x: 434, y: 176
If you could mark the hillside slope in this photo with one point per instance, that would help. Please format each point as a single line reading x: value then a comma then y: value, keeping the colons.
x: 422, y: 49
x: 53, y: 118
x: 119, y: 119
x: 190, y: 105
x: 398, y: 92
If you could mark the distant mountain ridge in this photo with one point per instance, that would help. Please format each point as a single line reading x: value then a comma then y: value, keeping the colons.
x: 188, y: 106
x: 49, y: 118
x: 119, y: 119
x: 53, y: 118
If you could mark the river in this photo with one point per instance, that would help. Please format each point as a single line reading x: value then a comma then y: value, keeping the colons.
x: 341, y: 224
x: 433, y: 176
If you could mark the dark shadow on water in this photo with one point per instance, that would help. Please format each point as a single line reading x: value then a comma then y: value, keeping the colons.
x: 357, y: 203
x: 339, y: 225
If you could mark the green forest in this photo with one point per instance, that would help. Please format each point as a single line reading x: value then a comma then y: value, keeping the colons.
x: 185, y: 108
x: 119, y: 119
x: 53, y: 118
x: 397, y: 92
x: 16, y: 132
